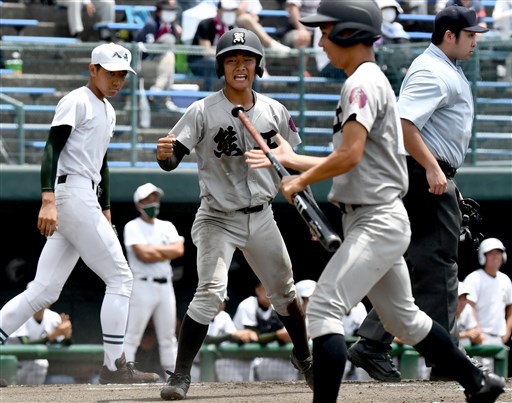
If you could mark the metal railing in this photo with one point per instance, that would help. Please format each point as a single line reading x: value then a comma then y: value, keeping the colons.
x: 311, y: 100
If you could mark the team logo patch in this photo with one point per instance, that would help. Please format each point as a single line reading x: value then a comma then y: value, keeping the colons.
x: 291, y: 123
x: 238, y: 37
x: 358, y: 97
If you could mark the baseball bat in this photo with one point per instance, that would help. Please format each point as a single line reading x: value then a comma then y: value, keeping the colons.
x: 304, y: 202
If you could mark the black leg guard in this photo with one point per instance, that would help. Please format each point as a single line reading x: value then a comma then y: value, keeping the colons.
x: 191, y: 338
x: 330, y: 352
x: 295, y: 325
x: 439, y: 348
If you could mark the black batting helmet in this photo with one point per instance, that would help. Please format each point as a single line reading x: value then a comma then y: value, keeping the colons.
x: 239, y: 39
x: 355, y: 21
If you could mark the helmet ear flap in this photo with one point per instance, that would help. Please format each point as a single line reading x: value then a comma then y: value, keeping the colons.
x: 219, y: 69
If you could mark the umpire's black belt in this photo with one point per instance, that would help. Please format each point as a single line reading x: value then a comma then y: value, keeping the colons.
x: 447, y: 169
x: 63, y: 178
x: 162, y: 280
x: 254, y: 209
x: 348, y: 208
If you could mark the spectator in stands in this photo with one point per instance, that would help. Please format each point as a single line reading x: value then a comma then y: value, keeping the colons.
x: 502, y: 17
x: 44, y: 327
x: 293, y: 33
x: 207, y: 35
x: 164, y: 29
x: 258, y: 314
x: 393, y: 64
x: 502, y: 23
x: 223, y: 330
x: 247, y: 17
x: 491, y: 293
x: 104, y: 9
x: 392, y: 30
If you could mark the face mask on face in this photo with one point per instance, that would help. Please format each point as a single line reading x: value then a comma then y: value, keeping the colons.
x: 168, y: 16
x: 151, y: 210
x: 389, y: 14
x: 229, y: 18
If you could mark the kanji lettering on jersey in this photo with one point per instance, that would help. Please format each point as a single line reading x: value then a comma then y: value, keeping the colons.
x: 226, y: 143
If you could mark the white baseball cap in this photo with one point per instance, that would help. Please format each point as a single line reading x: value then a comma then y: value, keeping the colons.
x: 112, y: 57
x: 145, y: 190
x: 305, y: 288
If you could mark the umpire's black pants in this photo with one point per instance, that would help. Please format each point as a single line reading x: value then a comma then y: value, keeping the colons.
x: 431, y: 256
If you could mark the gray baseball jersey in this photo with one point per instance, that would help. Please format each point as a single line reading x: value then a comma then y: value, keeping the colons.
x: 381, y: 176
x: 227, y: 183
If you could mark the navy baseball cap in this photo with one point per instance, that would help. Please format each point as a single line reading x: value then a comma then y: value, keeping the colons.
x: 456, y: 19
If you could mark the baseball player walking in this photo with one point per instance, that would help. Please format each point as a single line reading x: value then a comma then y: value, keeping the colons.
x: 76, y: 222
x: 369, y: 173
x: 150, y: 245
x: 235, y: 210
x: 436, y: 111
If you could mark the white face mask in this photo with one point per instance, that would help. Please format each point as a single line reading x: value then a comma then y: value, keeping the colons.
x: 229, y: 18
x: 389, y: 14
x: 168, y: 16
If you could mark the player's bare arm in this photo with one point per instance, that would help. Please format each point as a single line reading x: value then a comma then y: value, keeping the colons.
x: 47, y: 218
x: 341, y: 160
x: 417, y: 148
x: 284, y: 154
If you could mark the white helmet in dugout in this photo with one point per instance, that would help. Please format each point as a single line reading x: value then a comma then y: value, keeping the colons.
x: 490, y: 244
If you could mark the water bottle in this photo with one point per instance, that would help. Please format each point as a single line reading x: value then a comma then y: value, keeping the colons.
x: 15, y: 63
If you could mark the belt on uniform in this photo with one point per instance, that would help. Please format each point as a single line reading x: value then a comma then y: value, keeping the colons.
x: 346, y: 208
x: 447, y: 169
x: 254, y: 209
x: 63, y: 178
x: 162, y: 280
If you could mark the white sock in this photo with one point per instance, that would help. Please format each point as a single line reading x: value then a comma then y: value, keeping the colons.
x: 114, y: 316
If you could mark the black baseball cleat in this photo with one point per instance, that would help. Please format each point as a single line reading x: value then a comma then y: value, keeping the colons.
x: 305, y: 367
x: 377, y: 362
x: 492, y: 386
x: 176, y: 387
x: 126, y: 373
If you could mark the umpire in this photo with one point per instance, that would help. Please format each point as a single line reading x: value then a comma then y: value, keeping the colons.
x: 436, y: 111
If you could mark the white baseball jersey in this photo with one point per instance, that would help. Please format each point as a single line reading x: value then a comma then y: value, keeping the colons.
x: 35, y: 330
x: 381, y: 176
x: 491, y: 296
x: 227, y: 183
x: 250, y: 314
x: 93, y: 122
x: 466, y: 321
x: 161, y: 232
x: 221, y: 325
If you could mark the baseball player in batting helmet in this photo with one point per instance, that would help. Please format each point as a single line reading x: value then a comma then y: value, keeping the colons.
x: 369, y: 179
x: 235, y: 210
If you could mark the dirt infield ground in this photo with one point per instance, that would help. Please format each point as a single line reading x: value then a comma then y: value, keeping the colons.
x: 261, y: 392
